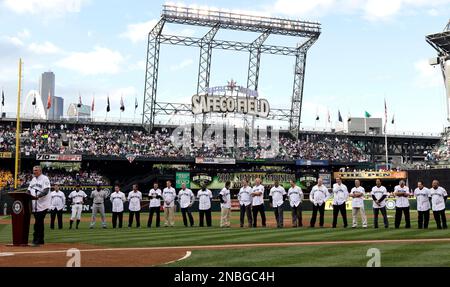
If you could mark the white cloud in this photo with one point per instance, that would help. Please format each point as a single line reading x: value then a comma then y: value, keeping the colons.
x: 139, y: 65
x: 183, y: 64
x: 302, y: 7
x: 47, y: 7
x: 44, y: 48
x: 382, y: 9
x: 18, y: 39
x: 99, y: 61
x: 369, y: 9
x: 138, y: 32
x: 427, y: 75
x: 24, y: 34
x: 13, y: 40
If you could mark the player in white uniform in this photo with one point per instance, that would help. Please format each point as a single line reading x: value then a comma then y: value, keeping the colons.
x: 77, y: 196
x: 186, y: 199
x: 169, y: 194
x: 117, y: 199
x: 438, y: 198
x: 134, y: 206
x: 225, y: 205
x: 39, y: 190
x: 379, y: 194
x: 423, y: 196
x: 258, y: 203
x: 245, y: 203
x: 204, y: 196
x: 277, y: 196
x: 295, y: 195
x: 340, y: 197
x: 318, y: 196
x: 154, y: 205
x: 357, y: 193
x: 402, y: 194
x: 57, y: 203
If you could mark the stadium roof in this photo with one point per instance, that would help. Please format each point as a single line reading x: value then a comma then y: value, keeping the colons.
x: 243, y: 22
x: 441, y: 41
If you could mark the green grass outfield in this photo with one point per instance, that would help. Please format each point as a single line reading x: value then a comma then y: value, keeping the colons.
x: 392, y: 254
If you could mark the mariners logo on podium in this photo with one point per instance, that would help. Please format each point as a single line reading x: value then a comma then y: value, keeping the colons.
x: 17, y: 207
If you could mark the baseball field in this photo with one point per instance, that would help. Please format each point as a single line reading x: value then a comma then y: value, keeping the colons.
x: 214, y: 246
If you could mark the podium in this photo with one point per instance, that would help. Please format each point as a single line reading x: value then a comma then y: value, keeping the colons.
x: 21, y: 214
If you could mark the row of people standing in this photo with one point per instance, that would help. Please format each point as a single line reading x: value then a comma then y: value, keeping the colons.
x: 78, y: 198
x: 186, y: 199
x: 433, y: 199
x: 251, y: 201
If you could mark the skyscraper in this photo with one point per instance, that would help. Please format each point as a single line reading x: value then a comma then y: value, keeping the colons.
x: 46, y: 87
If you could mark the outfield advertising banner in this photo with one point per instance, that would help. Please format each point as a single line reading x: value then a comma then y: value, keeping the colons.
x: 307, y: 181
x: 371, y: 175
x: 210, y: 160
x: 59, y: 157
x: 326, y: 179
x: 217, y: 181
x: 305, y: 162
x: 6, y: 154
x: 329, y: 204
x: 182, y: 177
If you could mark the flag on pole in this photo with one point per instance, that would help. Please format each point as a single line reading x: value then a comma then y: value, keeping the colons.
x: 317, y: 117
x: 339, y: 116
x: 93, y: 104
x: 49, y: 101
x: 122, y: 106
x: 349, y: 119
x: 367, y: 115
x: 392, y: 122
x: 79, y: 102
x: 34, y: 100
x: 385, y: 115
x: 3, y: 98
x: 135, y: 103
x: 108, y: 107
x: 329, y: 118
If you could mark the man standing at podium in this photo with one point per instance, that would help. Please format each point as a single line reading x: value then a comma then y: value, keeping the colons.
x: 40, y: 191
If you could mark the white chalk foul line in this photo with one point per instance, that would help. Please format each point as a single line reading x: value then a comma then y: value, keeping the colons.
x: 243, y: 245
x: 187, y: 255
x: 4, y: 254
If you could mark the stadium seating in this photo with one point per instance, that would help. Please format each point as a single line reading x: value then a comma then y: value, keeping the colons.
x: 115, y: 141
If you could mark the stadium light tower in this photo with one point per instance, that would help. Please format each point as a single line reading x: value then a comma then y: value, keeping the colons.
x: 441, y: 43
x: 216, y: 20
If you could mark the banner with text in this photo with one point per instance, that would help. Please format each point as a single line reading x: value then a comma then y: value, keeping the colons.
x: 59, y: 157
x: 305, y: 162
x: 371, y: 175
x: 182, y: 177
x: 211, y: 160
x: 6, y: 154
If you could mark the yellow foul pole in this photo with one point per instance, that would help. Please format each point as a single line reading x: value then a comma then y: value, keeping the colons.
x: 17, y: 155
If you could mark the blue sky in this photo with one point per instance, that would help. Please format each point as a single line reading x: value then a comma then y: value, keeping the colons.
x: 368, y: 50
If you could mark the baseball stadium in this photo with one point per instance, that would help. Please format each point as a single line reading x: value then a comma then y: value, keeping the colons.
x: 225, y: 176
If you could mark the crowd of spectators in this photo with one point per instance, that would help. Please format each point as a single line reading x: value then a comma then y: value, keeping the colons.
x: 114, y: 141
x: 325, y: 148
x: 63, y: 177
x: 441, y: 153
x: 6, y: 178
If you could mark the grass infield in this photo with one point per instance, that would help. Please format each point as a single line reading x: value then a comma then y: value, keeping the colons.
x: 354, y: 254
